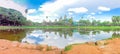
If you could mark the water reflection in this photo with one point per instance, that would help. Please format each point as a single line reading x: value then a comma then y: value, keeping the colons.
x: 13, y: 34
x: 57, y: 37
x: 64, y: 37
x: 116, y: 35
x: 34, y: 37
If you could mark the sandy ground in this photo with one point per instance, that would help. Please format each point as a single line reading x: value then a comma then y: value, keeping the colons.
x: 8, y: 47
x: 111, y: 47
x: 99, y: 47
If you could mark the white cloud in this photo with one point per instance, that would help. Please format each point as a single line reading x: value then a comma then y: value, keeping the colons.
x: 55, y: 6
x: 30, y: 11
x: 40, y: 18
x: 99, y: 12
x: 70, y: 13
x: 103, y: 8
x: 13, y: 5
x: 93, y: 13
x: 78, y: 10
x: 37, y: 18
x: 61, y: 7
x: 53, y: 9
x: 91, y: 17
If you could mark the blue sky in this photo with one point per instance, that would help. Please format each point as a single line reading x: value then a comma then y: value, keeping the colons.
x: 32, y: 3
x: 89, y: 9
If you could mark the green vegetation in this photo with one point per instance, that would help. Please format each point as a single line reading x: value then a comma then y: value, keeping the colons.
x: 116, y: 20
x: 53, y: 27
x: 115, y: 35
x: 78, y: 27
x: 11, y: 17
x: 67, y: 47
x: 64, y: 21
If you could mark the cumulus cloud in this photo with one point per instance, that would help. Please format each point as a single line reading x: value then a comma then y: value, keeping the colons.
x: 57, y: 5
x: 54, y: 8
x: 35, y: 18
x: 93, y: 13
x: 62, y: 7
x: 99, y: 12
x: 78, y: 10
x: 103, y: 8
x: 40, y: 18
x: 70, y: 13
x: 13, y: 5
x: 30, y: 11
x: 91, y: 17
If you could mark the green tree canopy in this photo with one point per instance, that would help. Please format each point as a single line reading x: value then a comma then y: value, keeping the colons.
x: 11, y: 17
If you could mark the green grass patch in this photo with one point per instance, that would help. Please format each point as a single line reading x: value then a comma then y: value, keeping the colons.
x: 67, y: 48
x: 85, y: 27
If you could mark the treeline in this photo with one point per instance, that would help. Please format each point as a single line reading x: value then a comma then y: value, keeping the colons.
x: 11, y: 17
x: 65, y: 32
x: 61, y: 22
x: 64, y: 21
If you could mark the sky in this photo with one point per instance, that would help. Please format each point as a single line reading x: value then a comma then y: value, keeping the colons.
x: 88, y: 9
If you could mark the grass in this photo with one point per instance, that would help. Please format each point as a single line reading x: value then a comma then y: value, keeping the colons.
x: 67, y: 48
x: 89, y: 27
x: 8, y: 27
x: 54, y: 27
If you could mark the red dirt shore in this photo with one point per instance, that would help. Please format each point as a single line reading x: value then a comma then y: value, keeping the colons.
x: 103, y: 47
x: 99, y: 47
x: 8, y: 47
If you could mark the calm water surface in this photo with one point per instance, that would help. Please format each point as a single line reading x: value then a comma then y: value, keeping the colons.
x: 57, y: 37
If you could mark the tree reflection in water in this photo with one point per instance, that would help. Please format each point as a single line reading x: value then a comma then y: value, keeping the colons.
x: 58, y: 37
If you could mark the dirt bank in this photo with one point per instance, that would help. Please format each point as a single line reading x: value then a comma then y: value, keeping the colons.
x: 8, y: 47
x: 99, y: 47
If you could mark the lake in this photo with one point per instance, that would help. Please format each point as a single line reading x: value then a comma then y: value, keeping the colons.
x: 57, y: 37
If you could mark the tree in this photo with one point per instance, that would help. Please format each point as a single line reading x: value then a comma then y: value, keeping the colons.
x: 60, y: 22
x: 84, y: 23
x: 116, y: 20
x: 106, y: 23
x: 94, y: 23
x: 11, y: 17
x: 70, y: 21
